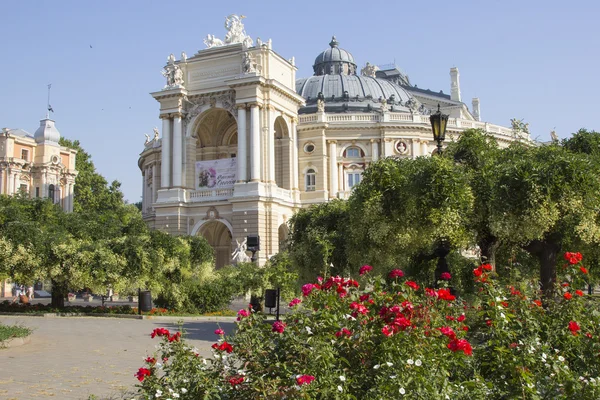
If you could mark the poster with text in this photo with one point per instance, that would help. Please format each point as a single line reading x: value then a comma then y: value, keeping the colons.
x: 216, y: 174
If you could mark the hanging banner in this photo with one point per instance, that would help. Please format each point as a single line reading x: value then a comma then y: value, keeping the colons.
x: 216, y: 174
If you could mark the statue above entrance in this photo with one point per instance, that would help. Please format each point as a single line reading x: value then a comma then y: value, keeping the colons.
x: 235, y: 33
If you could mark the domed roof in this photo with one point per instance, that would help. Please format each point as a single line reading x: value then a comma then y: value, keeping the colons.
x: 47, y: 133
x: 351, y: 93
x: 331, y: 59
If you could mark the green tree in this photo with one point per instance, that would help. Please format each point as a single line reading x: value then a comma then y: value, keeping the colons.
x: 477, y: 152
x: 318, y: 240
x: 546, y: 199
x: 91, y: 191
x: 407, y: 208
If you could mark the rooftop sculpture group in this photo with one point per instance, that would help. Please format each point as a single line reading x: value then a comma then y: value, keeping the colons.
x: 235, y: 33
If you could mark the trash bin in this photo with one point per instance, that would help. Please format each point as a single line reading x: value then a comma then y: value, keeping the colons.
x: 145, y: 300
x: 271, y: 298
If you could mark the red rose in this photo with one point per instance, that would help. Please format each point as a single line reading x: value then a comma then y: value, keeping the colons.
x: 412, y: 285
x: 447, y: 331
x: 364, y: 269
x: 574, y: 327
x: 579, y: 292
x: 396, y: 273
x: 445, y: 276
x: 142, y: 373
x: 445, y: 294
x: 387, y: 331
x: 305, y: 379
x: 573, y: 258
x: 278, y: 327
x: 568, y: 296
x: 234, y: 381
x: 219, y: 331
x: 487, y: 267
x: 295, y: 302
x: 151, y: 360
x: 159, y: 332
x: 478, y: 271
x: 583, y: 270
x: 461, y: 318
x: 538, y: 303
x: 308, y: 288
x: 488, y: 322
x: 461, y: 345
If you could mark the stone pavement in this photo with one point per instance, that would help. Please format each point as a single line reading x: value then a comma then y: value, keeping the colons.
x: 74, y: 357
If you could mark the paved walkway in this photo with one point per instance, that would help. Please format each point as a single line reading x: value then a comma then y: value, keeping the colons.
x: 75, y: 357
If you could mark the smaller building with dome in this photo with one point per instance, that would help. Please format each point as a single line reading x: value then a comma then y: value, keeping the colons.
x: 37, y: 165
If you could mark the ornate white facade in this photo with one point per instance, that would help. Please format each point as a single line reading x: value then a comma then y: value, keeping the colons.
x: 290, y: 143
x: 36, y: 165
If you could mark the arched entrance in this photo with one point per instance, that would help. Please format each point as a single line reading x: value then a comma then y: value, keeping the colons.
x: 216, y: 135
x: 219, y: 237
x: 283, y: 154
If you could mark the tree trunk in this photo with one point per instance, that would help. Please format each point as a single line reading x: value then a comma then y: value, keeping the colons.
x: 442, y: 250
x: 546, y: 252
x: 59, y: 292
x: 489, y: 245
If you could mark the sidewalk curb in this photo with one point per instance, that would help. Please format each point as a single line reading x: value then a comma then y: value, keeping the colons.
x: 15, y: 342
x: 123, y: 316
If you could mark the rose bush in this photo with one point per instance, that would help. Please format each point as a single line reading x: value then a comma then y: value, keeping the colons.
x: 391, y: 337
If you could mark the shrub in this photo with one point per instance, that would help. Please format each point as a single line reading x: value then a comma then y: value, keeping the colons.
x: 388, y: 338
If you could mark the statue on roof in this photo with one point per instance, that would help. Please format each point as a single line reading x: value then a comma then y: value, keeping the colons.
x: 173, y: 73
x: 156, y: 134
x: 235, y: 33
x: 369, y: 70
x: 519, y: 127
x: 248, y: 62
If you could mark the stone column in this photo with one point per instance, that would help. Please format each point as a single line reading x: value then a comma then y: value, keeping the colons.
x: 177, y: 151
x: 16, y: 182
x: 295, y: 150
x: 424, y: 148
x: 43, y: 185
x: 415, y: 148
x: 242, y: 158
x: 70, y: 194
x: 333, y: 172
x: 1, y: 181
x: 271, y: 144
x: 144, y: 191
x: 374, y: 150
x: 154, y: 181
x: 341, y: 177
x: 165, y: 155
x: 254, y: 143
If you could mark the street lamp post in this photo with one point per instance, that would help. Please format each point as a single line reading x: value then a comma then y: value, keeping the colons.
x: 439, y: 122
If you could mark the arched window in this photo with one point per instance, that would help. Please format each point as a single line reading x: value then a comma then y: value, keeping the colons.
x: 353, y: 152
x: 51, y: 192
x: 311, y: 180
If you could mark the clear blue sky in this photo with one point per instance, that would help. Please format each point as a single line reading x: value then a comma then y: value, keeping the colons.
x: 531, y: 59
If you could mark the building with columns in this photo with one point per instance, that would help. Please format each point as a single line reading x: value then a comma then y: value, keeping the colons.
x: 245, y: 144
x: 36, y: 165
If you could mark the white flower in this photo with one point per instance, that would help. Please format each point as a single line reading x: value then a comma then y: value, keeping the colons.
x: 544, y: 356
x: 340, y: 388
x: 561, y: 358
x: 410, y: 361
x: 183, y: 390
x: 502, y: 315
x: 402, y: 391
x: 503, y: 376
x: 342, y: 378
x: 158, y: 393
x: 389, y: 364
x: 376, y: 366
x: 170, y: 390
x: 392, y: 376
x: 176, y: 395
x: 418, y: 363
x: 309, y: 330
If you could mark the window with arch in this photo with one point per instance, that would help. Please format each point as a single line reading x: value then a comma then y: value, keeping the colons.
x: 51, y: 192
x: 353, y: 152
x: 311, y: 180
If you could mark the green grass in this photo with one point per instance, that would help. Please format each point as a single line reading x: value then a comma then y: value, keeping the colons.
x: 10, y: 332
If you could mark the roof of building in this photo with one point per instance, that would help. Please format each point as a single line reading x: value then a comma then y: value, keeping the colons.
x: 350, y: 93
x: 440, y: 94
x: 47, y: 132
x: 333, y: 54
x: 18, y: 132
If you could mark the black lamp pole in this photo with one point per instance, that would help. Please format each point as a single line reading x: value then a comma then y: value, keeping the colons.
x: 439, y: 122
